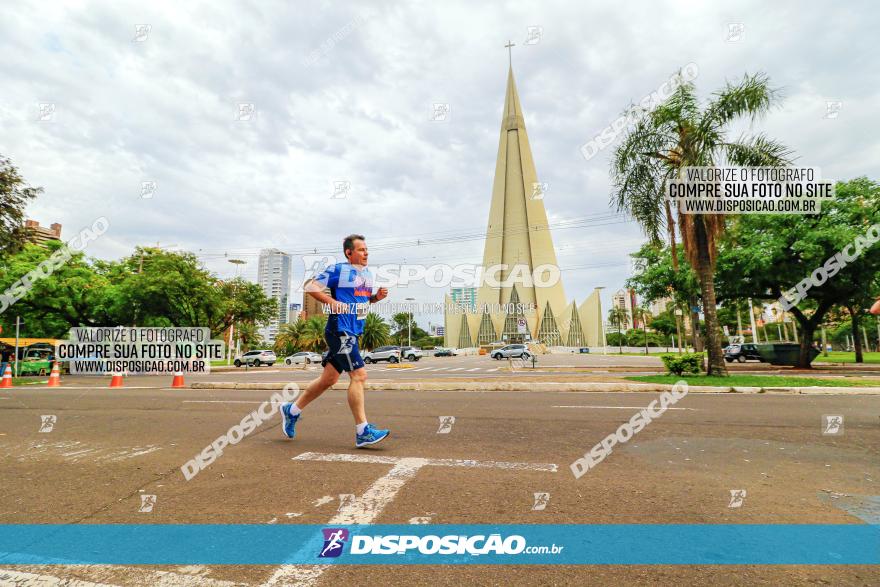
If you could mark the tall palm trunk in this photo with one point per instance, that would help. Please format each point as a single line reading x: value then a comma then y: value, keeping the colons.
x: 705, y: 273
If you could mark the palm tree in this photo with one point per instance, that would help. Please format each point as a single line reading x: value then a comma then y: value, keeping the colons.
x: 678, y: 134
x: 376, y: 332
x: 643, y: 315
x: 287, y: 341
x: 618, y: 317
x: 312, y: 336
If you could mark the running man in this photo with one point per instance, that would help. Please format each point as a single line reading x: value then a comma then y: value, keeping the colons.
x: 351, y: 293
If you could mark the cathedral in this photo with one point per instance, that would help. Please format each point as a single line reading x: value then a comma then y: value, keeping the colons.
x: 509, y: 308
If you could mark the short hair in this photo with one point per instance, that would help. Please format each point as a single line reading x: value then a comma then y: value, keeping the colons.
x: 348, y: 243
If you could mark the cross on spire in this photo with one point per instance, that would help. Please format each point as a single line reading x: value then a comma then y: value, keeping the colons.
x: 510, y: 52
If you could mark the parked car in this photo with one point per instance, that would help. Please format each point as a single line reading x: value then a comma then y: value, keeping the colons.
x: 742, y: 353
x: 412, y: 353
x: 383, y: 353
x: 444, y: 353
x: 302, y: 357
x: 511, y: 351
x: 256, y: 358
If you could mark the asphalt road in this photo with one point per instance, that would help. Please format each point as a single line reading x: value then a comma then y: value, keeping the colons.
x: 477, y: 367
x: 106, y: 448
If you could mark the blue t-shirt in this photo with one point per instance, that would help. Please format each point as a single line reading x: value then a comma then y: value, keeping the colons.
x: 353, y: 287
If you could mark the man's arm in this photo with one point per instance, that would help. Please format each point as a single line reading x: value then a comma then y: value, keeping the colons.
x: 316, y: 290
x: 875, y: 309
x: 379, y: 295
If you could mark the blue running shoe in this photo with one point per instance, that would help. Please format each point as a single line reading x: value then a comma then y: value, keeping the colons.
x: 370, y: 436
x: 288, y: 424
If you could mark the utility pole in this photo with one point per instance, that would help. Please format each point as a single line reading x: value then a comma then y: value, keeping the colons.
x: 409, y: 319
x: 17, y: 325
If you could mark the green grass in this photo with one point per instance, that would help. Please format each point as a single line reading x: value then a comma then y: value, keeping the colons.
x: 842, y: 357
x: 757, y: 381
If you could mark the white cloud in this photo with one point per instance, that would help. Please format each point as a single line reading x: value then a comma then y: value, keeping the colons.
x: 164, y: 110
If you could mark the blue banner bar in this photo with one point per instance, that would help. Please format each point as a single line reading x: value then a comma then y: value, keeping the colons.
x: 601, y: 544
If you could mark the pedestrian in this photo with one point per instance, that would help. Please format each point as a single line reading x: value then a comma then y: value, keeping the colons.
x: 351, y: 293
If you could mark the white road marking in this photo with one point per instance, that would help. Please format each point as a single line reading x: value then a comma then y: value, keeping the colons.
x: 251, y: 372
x: 219, y: 401
x: 491, y: 370
x: 457, y: 369
x: 619, y: 408
x: 366, y: 508
x: 322, y: 500
x: 475, y: 369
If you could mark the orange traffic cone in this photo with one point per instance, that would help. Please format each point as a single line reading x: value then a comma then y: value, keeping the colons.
x: 55, y: 376
x: 178, y: 379
x: 7, y: 378
x: 116, y: 381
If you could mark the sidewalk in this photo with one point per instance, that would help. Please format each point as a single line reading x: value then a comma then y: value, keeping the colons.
x: 543, y: 386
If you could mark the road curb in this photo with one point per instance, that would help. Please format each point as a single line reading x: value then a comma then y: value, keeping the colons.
x: 545, y: 386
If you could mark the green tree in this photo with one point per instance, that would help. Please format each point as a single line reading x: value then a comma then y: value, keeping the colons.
x: 376, y: 332
x: 75, y: 294
x: 678, y: 134
x: 764, y: 256
x: 312, y: 336
x: 287, y: 341
x: 618, y: 317
x: 643, y: 315
x: 15, y: 195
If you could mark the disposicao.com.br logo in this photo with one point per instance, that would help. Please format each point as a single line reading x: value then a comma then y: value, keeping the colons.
x: 453, y: 544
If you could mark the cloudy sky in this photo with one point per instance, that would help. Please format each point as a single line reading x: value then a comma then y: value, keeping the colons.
x: 100, y: 97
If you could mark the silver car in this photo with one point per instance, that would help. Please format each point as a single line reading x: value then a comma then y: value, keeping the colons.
x: 511, y: 351
x: 256, y: 358
x: 304, y: 357
x: 412, y: 353
x: 383, y: 353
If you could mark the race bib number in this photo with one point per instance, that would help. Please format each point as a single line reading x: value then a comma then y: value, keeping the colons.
x: 362, y: 310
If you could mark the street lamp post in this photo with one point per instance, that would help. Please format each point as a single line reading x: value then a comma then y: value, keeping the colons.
x: 602, y: 320
x: 409, y: 325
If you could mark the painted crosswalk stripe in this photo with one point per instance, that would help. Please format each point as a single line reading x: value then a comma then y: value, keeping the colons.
x: 474, y: 369
x: 458, y: 369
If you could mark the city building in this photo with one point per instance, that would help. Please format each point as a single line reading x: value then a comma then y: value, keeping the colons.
x: 40, y: 234
x: 625, y: 299
x: 294, y: 311
x: 310, y: 306
x: 273, y: 275
x: 519, y: 303
x: 464, y: 296
x: 657, y: 307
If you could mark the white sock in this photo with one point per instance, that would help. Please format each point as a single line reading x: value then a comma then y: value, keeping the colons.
x: 295, y: 410
x: 361, y: 427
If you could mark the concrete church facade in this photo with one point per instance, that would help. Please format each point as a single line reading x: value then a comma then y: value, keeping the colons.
x: 511, y: 306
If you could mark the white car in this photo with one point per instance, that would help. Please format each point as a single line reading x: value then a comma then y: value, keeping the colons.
x: 304, y: 357
x: 412, y: 353
x: 256, y: 358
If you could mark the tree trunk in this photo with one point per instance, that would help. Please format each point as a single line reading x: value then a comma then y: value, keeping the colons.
x: 670, y: 227
x: 695, y: 325
x: 715, y: 361
x: 805, y: 358
x: 857, y: 342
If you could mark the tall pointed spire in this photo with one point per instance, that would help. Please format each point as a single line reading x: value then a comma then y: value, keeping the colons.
x: 517, y: 232
x: 518, y: 239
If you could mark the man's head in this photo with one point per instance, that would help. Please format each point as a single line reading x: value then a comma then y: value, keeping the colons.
x: 354, y: 247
